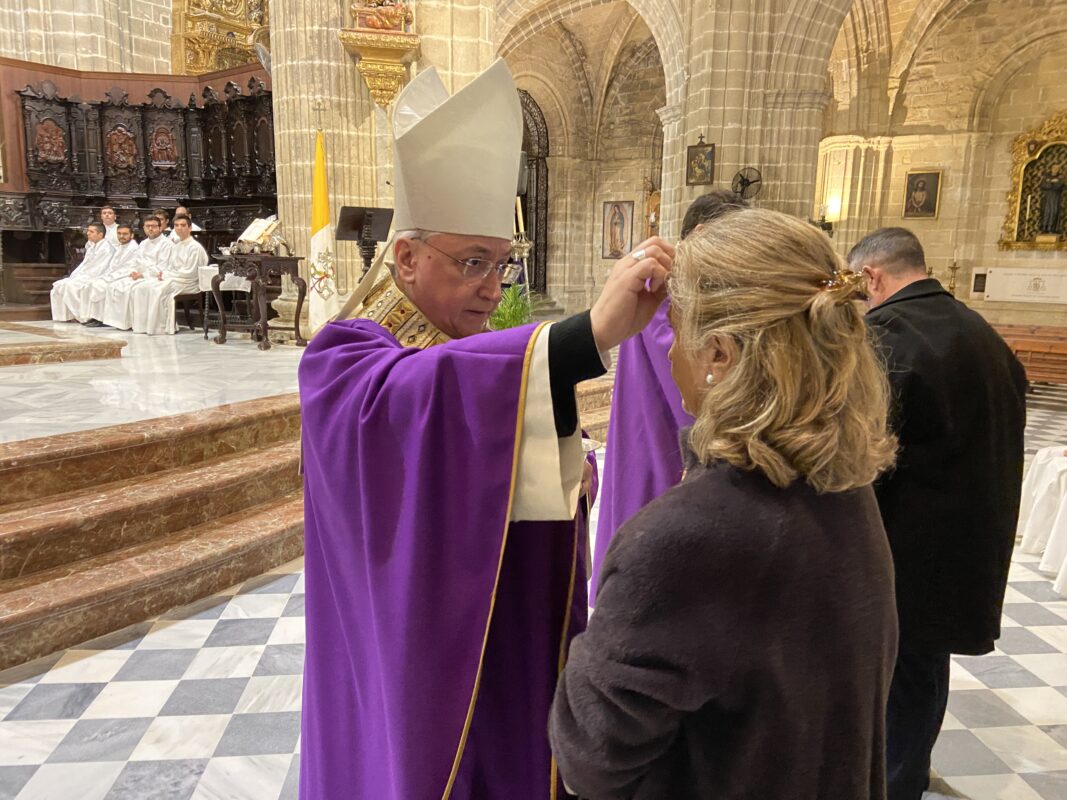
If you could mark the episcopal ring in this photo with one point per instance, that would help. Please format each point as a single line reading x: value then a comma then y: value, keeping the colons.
x: 637, y: 255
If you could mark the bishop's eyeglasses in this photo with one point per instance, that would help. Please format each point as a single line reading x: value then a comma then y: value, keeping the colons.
x: 476, y: 269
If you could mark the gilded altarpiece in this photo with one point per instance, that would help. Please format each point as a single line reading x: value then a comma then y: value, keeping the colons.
x: 1039, y: 174
x: 212, y: 35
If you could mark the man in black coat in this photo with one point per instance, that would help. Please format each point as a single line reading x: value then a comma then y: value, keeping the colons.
x: 951, y: 503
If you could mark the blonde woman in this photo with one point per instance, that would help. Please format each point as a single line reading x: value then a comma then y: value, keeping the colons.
x: 745, y: 631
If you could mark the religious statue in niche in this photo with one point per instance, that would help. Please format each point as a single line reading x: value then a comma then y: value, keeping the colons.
x: 121, y: 148
x: 1035, y: 218
x: 618, y: 228
x: 50, y: 142
x: 1051, y: 193
x: 922, y: 194
x: 162, y: 148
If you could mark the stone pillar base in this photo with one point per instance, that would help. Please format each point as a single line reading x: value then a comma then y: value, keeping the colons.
x: 281, y: 327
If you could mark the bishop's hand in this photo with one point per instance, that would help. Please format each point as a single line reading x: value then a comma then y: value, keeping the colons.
x: 636, y: 286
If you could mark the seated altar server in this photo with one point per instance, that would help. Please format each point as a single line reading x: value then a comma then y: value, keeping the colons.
x: 107, y: 216
x: 66, y: 305
x: 444, y: 534
x: 643, y: 457
x: 153, y: 300
x: 179, y: 211
x: 94, y: 294
x: 153, y: 256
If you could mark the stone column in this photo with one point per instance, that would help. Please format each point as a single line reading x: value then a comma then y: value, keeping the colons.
x: 672, y: 202
x: 853, y: 178
x: 792, y: 129
x: 315, y: 83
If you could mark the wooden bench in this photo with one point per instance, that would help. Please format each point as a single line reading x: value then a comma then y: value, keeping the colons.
x: 1042, y: 349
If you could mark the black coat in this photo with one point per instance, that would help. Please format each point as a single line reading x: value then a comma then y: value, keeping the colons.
x: 742, y: 647
x: 951, y: 504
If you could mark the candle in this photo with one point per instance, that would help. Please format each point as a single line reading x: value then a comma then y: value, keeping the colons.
x: 518, y: 211
x: 1029, y: 199
x: 953, y: 255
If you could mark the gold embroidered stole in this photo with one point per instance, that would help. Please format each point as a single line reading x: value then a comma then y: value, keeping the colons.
x: 390, y: 308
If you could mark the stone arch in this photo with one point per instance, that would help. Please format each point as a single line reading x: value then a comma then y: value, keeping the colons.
x: 802, y: 49
x: 921, y: 22
x: 535, y: 202
x: 623, y: 69
x: 518, y: 20
x: 988, y: 96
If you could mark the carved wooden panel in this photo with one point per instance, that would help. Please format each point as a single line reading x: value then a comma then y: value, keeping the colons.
x: 217, y: 151
x: 240, y: 131
x: 263, y: 137
x: 165, y: 137
x: 46, y: 121
x: 124, y: 152
x: 194, y: 144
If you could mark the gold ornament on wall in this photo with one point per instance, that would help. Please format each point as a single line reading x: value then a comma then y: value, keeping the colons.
x: 383, y: 45
x: 211, y: 35
x: 1037, y: 202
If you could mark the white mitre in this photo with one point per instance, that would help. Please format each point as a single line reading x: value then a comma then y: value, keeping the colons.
x: 456, y: 159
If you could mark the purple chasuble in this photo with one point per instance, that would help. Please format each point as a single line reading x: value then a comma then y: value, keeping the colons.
x: 643, y: 458
x: 410, y: 691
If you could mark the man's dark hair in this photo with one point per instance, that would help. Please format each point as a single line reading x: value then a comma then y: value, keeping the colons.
x: 153, y: 218
x: 98, y: 227
x: 161, y: 212
x: 896, y: 250
x: 104, y: 208
x: 183, y: 216
x: 125, y: 225
x: 708, y: 207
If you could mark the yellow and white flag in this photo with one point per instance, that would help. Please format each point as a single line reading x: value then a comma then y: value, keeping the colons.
x: 324, y: 302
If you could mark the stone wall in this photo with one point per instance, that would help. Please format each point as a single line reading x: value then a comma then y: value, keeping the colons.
x: 98, y: 35
x: 957, y: 91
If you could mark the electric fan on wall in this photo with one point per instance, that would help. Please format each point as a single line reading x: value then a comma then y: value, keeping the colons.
x: 747, y: 183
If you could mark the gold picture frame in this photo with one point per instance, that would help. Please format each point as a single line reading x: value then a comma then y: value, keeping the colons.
x: 1026, y: 149
x: 922, y: 194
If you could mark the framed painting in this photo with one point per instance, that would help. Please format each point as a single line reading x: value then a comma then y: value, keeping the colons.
x: 922, y: 194
x: 699, y: 164
x: 618, y: 228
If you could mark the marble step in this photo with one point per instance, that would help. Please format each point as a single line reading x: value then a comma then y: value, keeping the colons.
x: 43, y: 533
x: 595, y: 424
x: 66, y: 605
x: 24, y: 312
x: 595, y: 394
x: 36, y: 468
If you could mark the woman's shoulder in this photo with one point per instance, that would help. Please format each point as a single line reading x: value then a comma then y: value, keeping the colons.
x: 713, y: 505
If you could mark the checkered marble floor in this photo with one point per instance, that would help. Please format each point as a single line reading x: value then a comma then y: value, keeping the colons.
x: 204, y: 702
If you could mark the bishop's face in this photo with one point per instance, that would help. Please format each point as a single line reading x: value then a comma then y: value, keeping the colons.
x: 432, y: 279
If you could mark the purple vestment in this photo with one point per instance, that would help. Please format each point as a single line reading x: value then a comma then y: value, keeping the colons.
x: 409, y: 692
x: 643, y: 458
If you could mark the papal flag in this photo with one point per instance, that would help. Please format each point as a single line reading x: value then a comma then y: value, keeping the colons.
x: 323, y: 302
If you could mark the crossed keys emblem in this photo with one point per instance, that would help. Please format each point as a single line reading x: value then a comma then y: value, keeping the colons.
x: 322, y: 275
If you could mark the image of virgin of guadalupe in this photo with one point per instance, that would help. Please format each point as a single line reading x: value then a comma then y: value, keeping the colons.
x: 616, y: 229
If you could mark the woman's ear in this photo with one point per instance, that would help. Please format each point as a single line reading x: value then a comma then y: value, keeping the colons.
x: 719, y: 356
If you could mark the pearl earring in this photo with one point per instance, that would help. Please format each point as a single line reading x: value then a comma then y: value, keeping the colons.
x: 709, y: 379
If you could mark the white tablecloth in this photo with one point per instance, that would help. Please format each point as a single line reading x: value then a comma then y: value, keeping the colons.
x: 230, y: 283
x: 1043, y: 513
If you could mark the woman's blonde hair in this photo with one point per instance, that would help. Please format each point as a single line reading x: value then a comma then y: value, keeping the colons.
x: 806, y: 397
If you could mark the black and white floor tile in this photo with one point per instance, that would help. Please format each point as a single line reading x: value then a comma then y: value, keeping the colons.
x: 203, y: 703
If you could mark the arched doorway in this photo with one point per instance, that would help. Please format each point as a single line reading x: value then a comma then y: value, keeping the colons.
x: 535, y: 201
